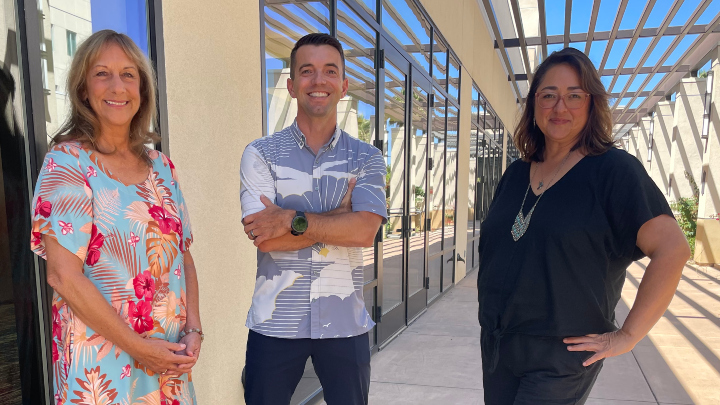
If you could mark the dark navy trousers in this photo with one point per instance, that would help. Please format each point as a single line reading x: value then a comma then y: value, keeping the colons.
x: 535, y: 370
x: 274, y: 367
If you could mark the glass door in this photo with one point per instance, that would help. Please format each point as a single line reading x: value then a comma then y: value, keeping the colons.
x: 418, y: 181
x: 436, y: 199
x: 394, y: 74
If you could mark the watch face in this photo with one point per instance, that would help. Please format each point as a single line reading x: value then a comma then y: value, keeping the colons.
x: 299, y: 224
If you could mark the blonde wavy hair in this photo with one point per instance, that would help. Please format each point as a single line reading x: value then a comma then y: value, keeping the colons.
x: 82, y: 123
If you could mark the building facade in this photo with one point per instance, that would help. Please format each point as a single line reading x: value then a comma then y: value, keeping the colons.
x: 679, y: 145
x: 426, y: 87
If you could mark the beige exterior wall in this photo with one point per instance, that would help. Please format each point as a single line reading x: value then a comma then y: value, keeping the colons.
x: 687, y: 149
x: 213, y: 90
x: 707, y: 240
x: 662, y: 144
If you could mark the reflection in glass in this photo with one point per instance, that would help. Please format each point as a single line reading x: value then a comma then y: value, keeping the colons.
x: 356, y: 111
x: 439, y: 67
x: 393, y: 137
x: 403, y: 21
x: 418, y: 192
x: 14, y: 225
x: 448, y: 270
x: 285, y: 24
x: 369, y: 296
x: 65, y: 25
x: 370, y: 6
x: 454, y: 79
x: 436, y: 203
x: 437, y: 175
x: 472, y: 184
x: 450, y: 176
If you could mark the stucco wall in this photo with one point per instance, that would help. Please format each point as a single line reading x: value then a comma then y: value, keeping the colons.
x: 213, y: 90
x: 707, y: 241
x: 662, y: 144
x: 687, y: 149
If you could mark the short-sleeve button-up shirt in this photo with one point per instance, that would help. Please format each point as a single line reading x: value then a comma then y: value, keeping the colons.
x: 316, y: 292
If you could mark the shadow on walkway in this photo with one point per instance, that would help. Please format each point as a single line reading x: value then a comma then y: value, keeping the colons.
x: 437, y: 359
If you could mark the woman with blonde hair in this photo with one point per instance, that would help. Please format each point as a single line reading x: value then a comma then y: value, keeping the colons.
x: 565, y: 223
x: 110, y: 219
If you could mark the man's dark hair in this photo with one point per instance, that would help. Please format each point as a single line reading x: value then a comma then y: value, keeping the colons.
x: 316, y: 39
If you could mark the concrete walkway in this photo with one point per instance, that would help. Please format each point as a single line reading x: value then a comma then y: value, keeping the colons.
x: 437, y: 359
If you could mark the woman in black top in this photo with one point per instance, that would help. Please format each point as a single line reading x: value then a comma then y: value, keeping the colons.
x: 564, y: 225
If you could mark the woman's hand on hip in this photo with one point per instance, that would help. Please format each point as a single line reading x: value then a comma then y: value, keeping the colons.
x: 605, y: 345
x: 159, y: 356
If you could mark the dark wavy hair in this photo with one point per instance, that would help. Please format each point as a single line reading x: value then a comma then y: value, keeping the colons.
x: 82, y: 123
x: 596, y: 137
x: 316, y: 39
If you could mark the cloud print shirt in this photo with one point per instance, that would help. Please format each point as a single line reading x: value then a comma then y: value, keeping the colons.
x: 316, y: 292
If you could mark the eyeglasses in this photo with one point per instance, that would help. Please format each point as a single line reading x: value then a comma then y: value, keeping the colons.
x: 572, y: 100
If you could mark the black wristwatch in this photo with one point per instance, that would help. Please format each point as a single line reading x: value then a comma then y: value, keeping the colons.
x: 299, y: 224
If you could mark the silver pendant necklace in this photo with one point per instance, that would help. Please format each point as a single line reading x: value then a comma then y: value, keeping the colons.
x: 522, y: 222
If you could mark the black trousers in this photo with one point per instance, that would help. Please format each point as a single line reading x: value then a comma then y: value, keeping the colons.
x: 274, y: 366
x: 536, y: 370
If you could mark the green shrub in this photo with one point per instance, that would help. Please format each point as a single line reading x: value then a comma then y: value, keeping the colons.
x: 687, y: 212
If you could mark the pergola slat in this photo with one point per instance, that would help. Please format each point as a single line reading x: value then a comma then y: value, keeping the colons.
x: 503, y: 52
x: 696, y: 14
x: 613, y: 33
x: 517, y: 17
x: 568, y: 16
x: 543, y: 31
x: 591, y: 28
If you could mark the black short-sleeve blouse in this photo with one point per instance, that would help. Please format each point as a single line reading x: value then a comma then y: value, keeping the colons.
x: 565, y: 275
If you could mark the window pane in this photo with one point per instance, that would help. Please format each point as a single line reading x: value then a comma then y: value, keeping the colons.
x: 403, y: 20
x: 370, y: 6
x: 418, y: 180
x: 439, y: 68
x: 72, y: 22
x: 450, y: 177
x: 15, y: 257
x: 356, y: 112
x: 437, y: 154
x: 472, y: 183
x: 370, y: 300
x: 285, y: 24
x: 475, y: 108
x: 393, y: 137
x: 448, y: 270
x: 454, y: 80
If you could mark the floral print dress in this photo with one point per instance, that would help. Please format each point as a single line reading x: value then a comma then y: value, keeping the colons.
x: 131, y: 241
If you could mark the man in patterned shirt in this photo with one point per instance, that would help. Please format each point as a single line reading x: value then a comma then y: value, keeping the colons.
x: 312, y: 196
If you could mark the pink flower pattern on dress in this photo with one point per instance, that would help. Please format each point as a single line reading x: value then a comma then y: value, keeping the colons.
x: 134, y: 239
x: 66, y: 227
x: 144, y: 285
x: 125, y: 372
x: 165, y: 221
x: 140, y: 316
x: 97, y: 240
x: 51, y: 165
x: 43, y: 208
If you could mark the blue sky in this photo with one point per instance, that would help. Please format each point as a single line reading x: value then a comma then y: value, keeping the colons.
x: 580, y: 21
